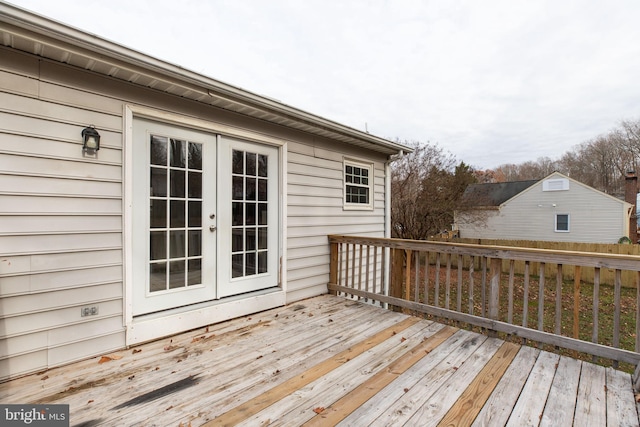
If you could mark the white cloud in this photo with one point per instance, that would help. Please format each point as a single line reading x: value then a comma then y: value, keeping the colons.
x: 493, y: 82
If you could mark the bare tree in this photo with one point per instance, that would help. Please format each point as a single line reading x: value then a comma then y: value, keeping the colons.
x: 427, y: 186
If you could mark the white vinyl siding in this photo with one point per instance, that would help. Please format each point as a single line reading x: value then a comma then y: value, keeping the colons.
x: 315, y: 210
x: 62, y: 243
x: 594, y: 217
x: 60, y: 224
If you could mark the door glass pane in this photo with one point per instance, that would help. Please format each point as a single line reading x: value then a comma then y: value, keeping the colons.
x: 177, y: 153
x: 249, y: 218
x: 177, y: 274
x: 175, y: 234
x: 195, y: 272
x: 158, y: 150
x: 195, y: 156
x: 158, y: 213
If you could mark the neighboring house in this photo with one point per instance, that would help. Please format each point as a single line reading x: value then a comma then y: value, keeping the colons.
x: 556, y: 208
x: 204, y: 202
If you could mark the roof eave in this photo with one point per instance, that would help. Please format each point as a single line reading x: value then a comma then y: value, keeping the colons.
x: 28, y: 26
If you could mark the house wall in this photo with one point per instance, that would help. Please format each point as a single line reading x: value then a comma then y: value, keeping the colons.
x: 594, y: 217
x: 61, y: 214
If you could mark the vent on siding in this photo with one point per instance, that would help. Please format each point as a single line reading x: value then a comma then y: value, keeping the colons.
x: 561, y: 184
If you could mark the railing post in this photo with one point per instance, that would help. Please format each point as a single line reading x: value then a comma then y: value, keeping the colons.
x: 333, y: 265
x: 494, y: 291
x: 395, y: 289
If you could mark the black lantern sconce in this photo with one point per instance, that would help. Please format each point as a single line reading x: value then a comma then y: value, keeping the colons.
x: 90, y: 140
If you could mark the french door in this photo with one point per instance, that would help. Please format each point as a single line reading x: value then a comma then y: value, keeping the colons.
x: 205, y: 217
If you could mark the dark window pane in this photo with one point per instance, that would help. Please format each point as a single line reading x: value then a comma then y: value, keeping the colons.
x: 158, y: 213
x: 195, y: 185
x: 237, y: 188
x: 250, y: 267
x: 349, y: 169
x: 158, y: 182
x: 177, y: 153
x: 157, y: 277
x: 195, y: 243
x: 237, y: 265
x: 251, y: 164
x: 237, y: 214
x: 158, y: 150
x: 176, y: 274
x: 262, y: 165
x: 262, y: 262
x: 237, y: 240
x: 356, y: 180
x: 262, y: 238
x: 177, y: 244
x: 195, y: 214
x: 250, y: 214
x: 365, y: 172
x: 237, y: 162
x: 262, y: 213
x: 365, y: 181
x: 250, y: 193
x: 194, y: 276
x: 262, y: 190
x: 177, y: 183
x: 157, y: 245
x: 177, y: 214
x: 250, y: 239
x: 195, y: 156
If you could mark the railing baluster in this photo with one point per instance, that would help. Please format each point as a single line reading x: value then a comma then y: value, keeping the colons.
x: 346, y: 266
x: 541, y: 297
x: 576, y: 301
x: 448, y: 283
x: 353, y: 269
x: 494, y: 291
x: 511, y: 277
x: 616, y: 313
x: 558, y: 325
x: 416, y: 285
x: 368, y: 266
x: 483, y: 290
x: 459, y: 305
x: 436, y: 297
x: 407, y: 276
x: 596, y: 307
x: 360, y: 269
x: 525, y: 305
x: 471, y: 283
x: 426, y: 278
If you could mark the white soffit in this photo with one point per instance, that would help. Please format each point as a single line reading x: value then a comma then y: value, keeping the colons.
x: 35, y: 34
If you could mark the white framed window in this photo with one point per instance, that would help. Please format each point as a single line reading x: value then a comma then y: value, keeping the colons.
x: 358, y: 185
x: 562, y: 223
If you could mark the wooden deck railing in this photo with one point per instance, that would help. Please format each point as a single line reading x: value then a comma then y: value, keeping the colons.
x: 466, y: 283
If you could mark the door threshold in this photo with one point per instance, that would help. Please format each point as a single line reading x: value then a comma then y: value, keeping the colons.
x: 165, y: 323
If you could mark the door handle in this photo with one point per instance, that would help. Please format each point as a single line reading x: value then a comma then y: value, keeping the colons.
x: 212, y: 228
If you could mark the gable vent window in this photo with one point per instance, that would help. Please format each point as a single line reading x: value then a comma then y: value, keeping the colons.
x: 561, y: 184
x: 358, y: 184
x: 562, y: 223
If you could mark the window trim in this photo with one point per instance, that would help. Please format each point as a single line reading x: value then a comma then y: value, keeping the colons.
x: 568, y: 223
x: 363, y: 165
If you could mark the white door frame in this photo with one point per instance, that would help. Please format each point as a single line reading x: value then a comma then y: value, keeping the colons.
x: 146, y: 328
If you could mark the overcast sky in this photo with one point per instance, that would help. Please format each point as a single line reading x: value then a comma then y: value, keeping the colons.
x: 492, y: 81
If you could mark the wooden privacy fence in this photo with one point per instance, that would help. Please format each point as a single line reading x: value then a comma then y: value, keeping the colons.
x: 466, y: 283
x: 606, y: 275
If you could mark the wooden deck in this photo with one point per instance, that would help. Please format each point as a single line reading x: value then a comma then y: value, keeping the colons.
x: 328, y: 361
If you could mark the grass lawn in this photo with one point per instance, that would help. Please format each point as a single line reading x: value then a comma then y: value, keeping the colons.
x: 585, y: 318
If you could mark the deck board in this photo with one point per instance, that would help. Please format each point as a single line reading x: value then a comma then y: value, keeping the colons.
x: 327, y: 361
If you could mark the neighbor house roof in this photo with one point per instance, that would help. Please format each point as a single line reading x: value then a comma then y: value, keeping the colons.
x: 494, y: 194
x: 35, y: 34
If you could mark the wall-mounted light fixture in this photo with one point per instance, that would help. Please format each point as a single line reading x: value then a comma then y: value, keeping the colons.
x: 90, y: 140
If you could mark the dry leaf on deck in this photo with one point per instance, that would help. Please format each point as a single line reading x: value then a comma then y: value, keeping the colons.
x: 109, y: 357
x: 318, y: 410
